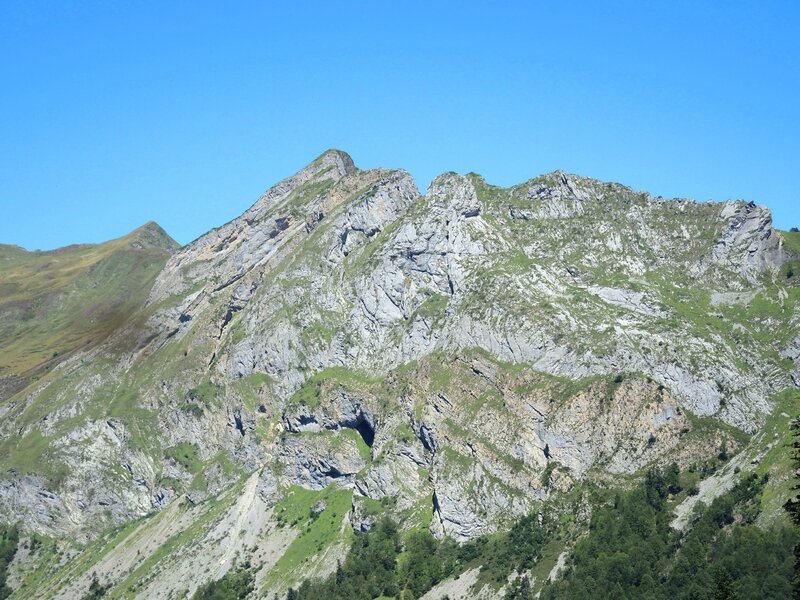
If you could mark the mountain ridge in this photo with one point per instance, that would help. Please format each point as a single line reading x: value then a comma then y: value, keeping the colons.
x: 43, y: 289
x: 454, y: 360
x: 150, y: 226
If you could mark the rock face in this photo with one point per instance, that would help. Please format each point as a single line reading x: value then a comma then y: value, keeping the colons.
x: 454, y: 357
x: 748, y: 240
x: 226, y: 254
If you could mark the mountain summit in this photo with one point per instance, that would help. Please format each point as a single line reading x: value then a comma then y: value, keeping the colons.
x: 349, y: 349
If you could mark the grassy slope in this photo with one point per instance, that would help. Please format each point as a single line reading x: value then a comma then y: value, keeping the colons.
x: 56, y: 302
x: 791, y: 239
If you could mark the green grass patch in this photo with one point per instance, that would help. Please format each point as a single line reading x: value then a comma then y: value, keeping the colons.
x: 186, y: 455
x: 300, y: 508
x: 355, y: 437
x: 309, y: 393
x: 204, y: 395
x: 791, y: 240
x: 434, y: 306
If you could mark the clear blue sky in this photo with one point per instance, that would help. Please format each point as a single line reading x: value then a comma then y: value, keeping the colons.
x: 116, y: 113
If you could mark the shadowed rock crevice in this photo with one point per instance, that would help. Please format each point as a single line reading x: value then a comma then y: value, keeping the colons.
x: 365, y: 430
x: 237, y: 422
x: 428, y: 438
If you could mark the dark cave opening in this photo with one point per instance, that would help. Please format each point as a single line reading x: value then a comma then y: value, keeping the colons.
x: 366, y: 431
x: 237, y: 420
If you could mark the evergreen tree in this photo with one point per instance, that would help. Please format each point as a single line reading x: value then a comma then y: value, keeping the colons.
x: 9, y: 541
x: 339, y: 573
x: 723, y: 588
x: 96, y: 591
x: 236, y: 584
x: 525, y: 589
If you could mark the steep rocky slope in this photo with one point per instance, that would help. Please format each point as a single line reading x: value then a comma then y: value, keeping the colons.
x: 355, y: 348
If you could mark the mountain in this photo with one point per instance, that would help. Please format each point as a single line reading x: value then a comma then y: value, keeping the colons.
x: 56, y: 303
x: 349, y: 349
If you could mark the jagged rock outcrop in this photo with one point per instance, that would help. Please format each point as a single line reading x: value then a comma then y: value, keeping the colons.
x: 226, y: 254
x: 748, y: 244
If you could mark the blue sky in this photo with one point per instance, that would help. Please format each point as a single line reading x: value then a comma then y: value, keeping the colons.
x: 116, y: 113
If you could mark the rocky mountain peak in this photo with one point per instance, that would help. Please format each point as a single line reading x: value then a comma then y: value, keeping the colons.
x: 340, y: 160
x: 284, y: 216
x: 151, y: 235
x: 332, y: 165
